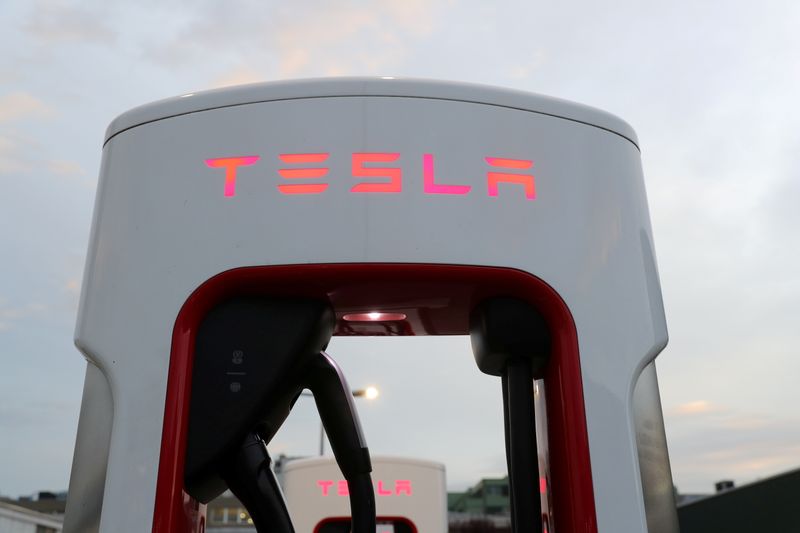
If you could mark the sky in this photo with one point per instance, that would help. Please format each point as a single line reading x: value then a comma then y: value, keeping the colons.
x: 711, y: 88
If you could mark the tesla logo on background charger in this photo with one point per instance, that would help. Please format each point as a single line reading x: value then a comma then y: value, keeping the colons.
x: 329, y: 487
x: 375, y: 172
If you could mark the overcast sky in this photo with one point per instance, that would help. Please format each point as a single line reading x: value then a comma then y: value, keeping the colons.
x: 711, y: 88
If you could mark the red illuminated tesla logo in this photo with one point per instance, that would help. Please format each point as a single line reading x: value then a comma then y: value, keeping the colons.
x: 399, y: 487
x: 376, y: 172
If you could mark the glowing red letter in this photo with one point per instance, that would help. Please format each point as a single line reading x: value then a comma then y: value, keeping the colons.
x: 382, y: 491
x: 343, y: 489
x: 299, y: 173
x: 402, y: 486
x: 325, y: 486
x: 230, y: 164
x: 505, y: 177
x: 395, y: 183
x: 431, y: 187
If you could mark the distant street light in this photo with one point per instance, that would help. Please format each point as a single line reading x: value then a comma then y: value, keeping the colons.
x: 370, y: 393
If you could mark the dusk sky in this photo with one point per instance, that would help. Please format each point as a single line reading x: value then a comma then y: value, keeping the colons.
x: 711, y: 88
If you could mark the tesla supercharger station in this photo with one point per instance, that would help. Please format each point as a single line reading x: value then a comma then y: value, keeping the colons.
x: 407, y: 208
x: 410, y: 493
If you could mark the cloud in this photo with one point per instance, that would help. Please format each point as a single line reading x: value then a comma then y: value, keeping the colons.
x: 66, y: 168
x: 54, y: 22
x: 71, y: 171
x: 16, y: 150
x: 414, y: 16
x: 14, y: 154
x: 32, y: 414
x: 7, y: 75
x: 527, y: 69
x: 693, y: 408
x: 238, y: 76
x: 21, y: 155
x: 72, y: 290
x: 350, y: 39
x: 317, y: 38
x: 73, y: 286
x: 21, y: 105
x: 9, y: 314
x: 712, y: 442
x: 742, y: 462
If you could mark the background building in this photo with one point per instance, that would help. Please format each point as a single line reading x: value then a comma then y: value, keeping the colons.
x: 226, y: 514
x: 766, y: 506
x: 17, y: 519
x: 487, y: 501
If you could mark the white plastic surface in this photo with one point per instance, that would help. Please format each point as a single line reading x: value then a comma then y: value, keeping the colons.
x: 366, y: 87
x: 309, y: 502
x: 163, y: 226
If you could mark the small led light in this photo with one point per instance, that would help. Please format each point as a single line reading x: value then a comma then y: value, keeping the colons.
x: 374, y: 316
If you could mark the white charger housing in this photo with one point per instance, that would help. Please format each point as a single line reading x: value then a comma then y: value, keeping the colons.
x: 411, y: 197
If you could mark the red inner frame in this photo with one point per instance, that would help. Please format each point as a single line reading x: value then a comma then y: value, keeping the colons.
x: 437, y: 300
x: 394, y: 519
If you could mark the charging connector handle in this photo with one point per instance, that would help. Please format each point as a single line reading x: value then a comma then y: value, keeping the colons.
x: 340, y: 419
x: 510, y: 339
x: 250, y: 478
x: 248, y: 351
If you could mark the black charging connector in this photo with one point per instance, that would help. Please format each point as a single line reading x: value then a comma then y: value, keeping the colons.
x: 253, y: 357
x: 510, y: 339
x: 338, y: 413
x: 245, y: 349
x: 249, y: 476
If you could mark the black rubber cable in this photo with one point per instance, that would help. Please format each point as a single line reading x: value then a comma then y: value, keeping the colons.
x: 507, y: 428
x: 339, y: 417
x: 523, y: 473
x: 250, y: 478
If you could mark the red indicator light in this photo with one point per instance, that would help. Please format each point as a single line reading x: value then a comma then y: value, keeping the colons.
x: 431, y: 187
x: 301, y: 173
x: 395, y: 183
x: 543, y: 485
x: 374, y: 316
x: 494, y: 178
x: 230, y: 164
